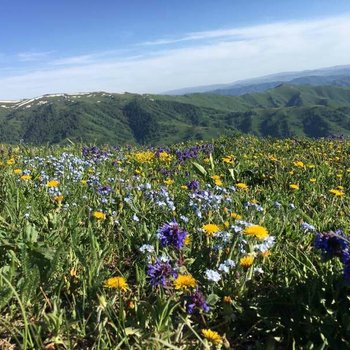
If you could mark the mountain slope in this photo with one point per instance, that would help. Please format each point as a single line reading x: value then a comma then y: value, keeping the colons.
x: 284, y: 111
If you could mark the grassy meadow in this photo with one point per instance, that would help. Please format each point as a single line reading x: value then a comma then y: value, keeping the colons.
x: 225, y: 245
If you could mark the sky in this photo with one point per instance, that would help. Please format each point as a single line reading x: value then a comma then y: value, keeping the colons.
x: 152, y: 46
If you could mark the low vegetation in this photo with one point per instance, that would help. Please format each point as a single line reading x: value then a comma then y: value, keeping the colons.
x: 240, y: 243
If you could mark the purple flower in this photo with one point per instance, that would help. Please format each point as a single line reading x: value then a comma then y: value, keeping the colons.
x: 160, y: 272
x: 193, y: 185
x: 196, y: 301
x: 333, y: 244
x: 171, y: 234
x: 193, y: 152
x: 94, y: 153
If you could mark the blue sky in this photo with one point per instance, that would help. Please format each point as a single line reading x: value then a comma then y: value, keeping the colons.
x: 158, y: 45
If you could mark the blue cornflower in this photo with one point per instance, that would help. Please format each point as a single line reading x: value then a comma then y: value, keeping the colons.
x: 196, y: 301
x: 171, y: 234
x: 160, y: 272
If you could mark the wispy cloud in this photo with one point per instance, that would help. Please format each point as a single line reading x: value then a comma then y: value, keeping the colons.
x: 32, y: 56
x: 203, y: 58
x: 248, y: 32
x: 95, y: 57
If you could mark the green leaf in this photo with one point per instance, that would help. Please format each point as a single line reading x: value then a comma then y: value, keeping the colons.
x: 212, y: 299
x: 200, y: 169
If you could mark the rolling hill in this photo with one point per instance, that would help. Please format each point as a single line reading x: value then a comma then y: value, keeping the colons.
x: 283, y: 111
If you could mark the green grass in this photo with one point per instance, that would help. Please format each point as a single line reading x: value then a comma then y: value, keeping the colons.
x: 55, y: 256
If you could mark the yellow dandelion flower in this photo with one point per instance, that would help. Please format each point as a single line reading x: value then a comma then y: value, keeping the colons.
x: 294, y: 187
x: 337, y: 193
x: 185, y: 282
x: 52, y: 183
x: 117, y: 283
x: 217, y: 180
x: 299, y: 164
x: 58, y: 199
x: 184, y: 187
x: 265, y: 253
x: 258, y: 231
x: 218, y: 183
x: 99, y: 215
x: 246, y: 261
x: 211, y: 229
x: 187, y: 240
x: 26, y: 177
x: 83, y: 182
x: 242, y: 186
x: 212, y: 336
x: 10, y: 161
x: 168, y: 182
x: 17, y: 171
x: 312, y: 180
x: 144, y: 157
x: 228, y: 159
x: 165, y: 156
x: 236, y: 216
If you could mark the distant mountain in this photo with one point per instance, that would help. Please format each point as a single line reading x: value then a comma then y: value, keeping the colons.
x: 337, y: 76
x: 283, y: 111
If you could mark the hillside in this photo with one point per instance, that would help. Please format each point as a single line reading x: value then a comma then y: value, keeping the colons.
x: 283, y: 111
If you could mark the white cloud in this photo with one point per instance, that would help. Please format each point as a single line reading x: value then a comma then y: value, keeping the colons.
x: 210, y: 57
x: 31, y: 56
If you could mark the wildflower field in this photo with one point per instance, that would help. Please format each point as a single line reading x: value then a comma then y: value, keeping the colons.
x: 237, y: 244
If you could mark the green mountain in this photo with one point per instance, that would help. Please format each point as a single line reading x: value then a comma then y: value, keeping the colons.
x: 284, y: 111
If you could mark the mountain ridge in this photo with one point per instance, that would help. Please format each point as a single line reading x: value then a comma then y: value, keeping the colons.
x: 240, y: 87
x: 100, y: 117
